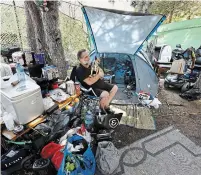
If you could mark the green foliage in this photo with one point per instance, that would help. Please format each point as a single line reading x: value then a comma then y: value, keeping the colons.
x: 9, y: 25
x: 22, y: 25
x: 73, y: 37
x: 176, y: 10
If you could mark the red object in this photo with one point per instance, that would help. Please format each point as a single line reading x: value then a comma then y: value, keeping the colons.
x: 57, y: 159
x: 144, y: 92
x: 82, y: 130
x: 49, y: 150
x: 77, y: 88
x: 55, y: 86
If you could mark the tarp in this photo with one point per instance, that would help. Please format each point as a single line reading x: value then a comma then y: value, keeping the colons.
x: 115, y: 31
x: 187, y: 33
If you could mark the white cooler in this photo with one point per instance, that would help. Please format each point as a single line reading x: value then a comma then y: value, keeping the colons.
x: 24, y: 105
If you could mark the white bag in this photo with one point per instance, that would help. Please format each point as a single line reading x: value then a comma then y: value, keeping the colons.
x: 70, y: 87
x: 58, y: 95
x: 48, y: 103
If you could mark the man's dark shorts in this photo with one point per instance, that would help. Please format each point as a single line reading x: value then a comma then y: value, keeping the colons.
x: 82, y: 73
x: 107, y: 87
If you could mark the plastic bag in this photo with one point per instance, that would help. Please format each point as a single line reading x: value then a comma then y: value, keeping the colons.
x: 49, y: 150
x: 107, y: 157
x: 83, y: 162
x: 155, y: 103
x: 58, y: 95
x: 48, y: 103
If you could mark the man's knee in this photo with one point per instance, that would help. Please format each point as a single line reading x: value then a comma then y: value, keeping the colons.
x: 104, y: 94
x: 114, y: 89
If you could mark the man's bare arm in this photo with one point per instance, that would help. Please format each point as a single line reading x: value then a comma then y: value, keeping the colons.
x: 92, y: 80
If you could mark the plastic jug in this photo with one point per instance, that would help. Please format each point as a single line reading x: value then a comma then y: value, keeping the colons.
x: 8, y: 120
x: 70, y: 87
x: 21, y: 76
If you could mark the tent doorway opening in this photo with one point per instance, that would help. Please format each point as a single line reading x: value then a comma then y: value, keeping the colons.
x: 120, y: 66
x: 132, y: 73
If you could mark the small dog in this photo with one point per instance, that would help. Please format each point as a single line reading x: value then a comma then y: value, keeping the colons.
x: 95, y: 67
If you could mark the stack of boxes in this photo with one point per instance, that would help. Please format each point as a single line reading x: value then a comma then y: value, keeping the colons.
x: 50, y: 72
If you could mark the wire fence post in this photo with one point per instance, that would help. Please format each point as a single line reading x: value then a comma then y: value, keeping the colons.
x: 18, y: 27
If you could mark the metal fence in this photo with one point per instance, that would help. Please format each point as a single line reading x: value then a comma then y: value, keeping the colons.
x: 71, y: 20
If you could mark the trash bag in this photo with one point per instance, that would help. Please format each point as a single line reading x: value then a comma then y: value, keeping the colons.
x: 107, y: 157
x: 84, y: 161
x: 59, y: 124
x: 195, y: 92
x: 109, y: 121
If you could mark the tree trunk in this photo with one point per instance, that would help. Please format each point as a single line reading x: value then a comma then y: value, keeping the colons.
x: 53, y: 37
x: 170, y: 16
x: 30, y: 30
x: 171, y: 13
x: 146, y: 6
x: 37, y: 25
x: 189, y: 14
x: 140, y: 6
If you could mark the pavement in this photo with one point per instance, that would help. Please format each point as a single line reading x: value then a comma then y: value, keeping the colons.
x: 167, y: 152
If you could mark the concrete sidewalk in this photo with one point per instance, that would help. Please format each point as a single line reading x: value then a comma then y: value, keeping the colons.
x: 167, y: 152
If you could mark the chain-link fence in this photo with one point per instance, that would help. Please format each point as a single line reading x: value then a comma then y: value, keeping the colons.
x: 13, y: 33
x: 72, y: 27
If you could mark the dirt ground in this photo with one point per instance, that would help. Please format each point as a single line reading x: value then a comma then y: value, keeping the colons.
x: 182, y: 114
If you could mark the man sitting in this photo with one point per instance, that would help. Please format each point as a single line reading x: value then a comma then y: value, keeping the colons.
x: 105, y: 91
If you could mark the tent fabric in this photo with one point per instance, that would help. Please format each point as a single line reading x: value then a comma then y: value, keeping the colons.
x: 146, y: 78
x: 187, y: 33
x: 123, y: 12
x: 114, y: 32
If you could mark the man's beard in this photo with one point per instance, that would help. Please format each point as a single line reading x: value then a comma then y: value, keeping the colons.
x: 86, y: 63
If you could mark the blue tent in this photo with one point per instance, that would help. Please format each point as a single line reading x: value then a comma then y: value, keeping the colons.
x: 120, y: 35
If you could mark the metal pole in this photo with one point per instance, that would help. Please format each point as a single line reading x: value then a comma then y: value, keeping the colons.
x: 18, y: 27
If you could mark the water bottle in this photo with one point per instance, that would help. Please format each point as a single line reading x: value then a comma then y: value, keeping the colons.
x: 21, y: 76
x: 8, y: 120
x: 89, y: 121
x: 83, y: 112
x: 98, y: 114
x: 98, y: 111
